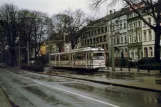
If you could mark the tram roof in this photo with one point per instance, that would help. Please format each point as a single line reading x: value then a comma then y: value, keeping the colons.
x: 82, y: 49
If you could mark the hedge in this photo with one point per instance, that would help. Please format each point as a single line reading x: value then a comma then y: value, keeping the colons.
x: 149, y: 63
x: 34, y: 67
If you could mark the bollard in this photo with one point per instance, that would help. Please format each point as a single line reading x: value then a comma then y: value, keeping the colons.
x: 138, y: 70
x: 148, y: 68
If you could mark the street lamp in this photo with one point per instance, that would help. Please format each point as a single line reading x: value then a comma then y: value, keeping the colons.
x: 65, y: 34
x: 27, y: 52
x: 19, y: 51
x: 112, y: 49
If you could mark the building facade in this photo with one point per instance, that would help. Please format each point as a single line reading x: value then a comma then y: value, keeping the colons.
x: 132, y: 38
x: 119, y: 30
x: 95, y: 35
x: 141, y: 37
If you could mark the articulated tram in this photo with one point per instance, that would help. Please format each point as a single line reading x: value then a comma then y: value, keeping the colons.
x: 83, y: 58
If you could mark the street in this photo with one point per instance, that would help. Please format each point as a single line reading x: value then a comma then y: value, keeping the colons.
x: 28, y: 89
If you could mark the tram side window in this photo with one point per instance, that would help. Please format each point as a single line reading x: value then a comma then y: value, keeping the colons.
x: 89, y: 57
x: 57, y: 57
x: 80, y: 56
x: 98, y: 56
x: 52, y: 57
x: 64, y: 57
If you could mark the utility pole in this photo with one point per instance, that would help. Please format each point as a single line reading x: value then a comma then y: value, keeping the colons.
x: 49, y: 44
x: 109, y: 51
x: 28, y: 53
x: 112, y: 49
x: 64, y: 42
x: 19, y: 51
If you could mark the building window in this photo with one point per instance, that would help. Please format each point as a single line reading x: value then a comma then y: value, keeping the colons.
x: 134, y: 25
x: 92, y: 33
x: 102, y: 30
x: 97, y: 40
x: 129, y: 26
x: 91, y: 41
x: 105, y: 29
x: 130, y: 38
x: 95, y: 31
x: 139, y: 37
x: 121, y: 40
x: 99, y: 30
x: 104, y: 38
x: 100, y: 38
x: 121, y: 24
x: 103, y: 46
x: 151, y: 51
x: 94, y: 40
x: 125, y: 40
x: 106, y: 46
x: 118, y: 40
x: 124, y: 25
x: 135, y: 38
x: 145, y: 38
x: 113, y: 40
x: 150, y: 36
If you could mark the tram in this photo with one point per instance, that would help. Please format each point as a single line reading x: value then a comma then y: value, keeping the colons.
x: 83, y: 58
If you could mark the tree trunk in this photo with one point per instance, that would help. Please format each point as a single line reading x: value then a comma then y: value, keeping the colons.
x: 35, y: 54
x: 13, y: 58
x: 157, y: 43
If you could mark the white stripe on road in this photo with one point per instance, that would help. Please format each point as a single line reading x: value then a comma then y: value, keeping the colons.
x: 41, y: 83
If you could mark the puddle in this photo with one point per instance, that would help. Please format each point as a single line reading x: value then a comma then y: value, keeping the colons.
x: 45, y: 96
x: 19, y: 82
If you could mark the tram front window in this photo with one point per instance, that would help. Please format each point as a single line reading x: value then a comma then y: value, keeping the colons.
x: 98, y: 56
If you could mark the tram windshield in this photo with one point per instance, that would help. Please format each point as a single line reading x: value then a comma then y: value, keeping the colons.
x: 98, y: 56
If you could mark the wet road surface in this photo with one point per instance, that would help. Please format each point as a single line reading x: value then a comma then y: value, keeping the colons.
x: 29, y: 89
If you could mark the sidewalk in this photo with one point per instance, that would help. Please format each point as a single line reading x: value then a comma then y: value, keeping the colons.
x: 148, y: 83
x: 4, y: 102
x: 133, y: 70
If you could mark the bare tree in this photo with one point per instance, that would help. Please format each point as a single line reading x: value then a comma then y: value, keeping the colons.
x: 3, y: 43
x: 138, y: 6
x: 68, y: 23
x: 9, y: 23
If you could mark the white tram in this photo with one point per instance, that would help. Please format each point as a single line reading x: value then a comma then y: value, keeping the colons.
x: 83, y: 58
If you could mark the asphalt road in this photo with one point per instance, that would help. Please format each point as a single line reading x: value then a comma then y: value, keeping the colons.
x: 28, y: 89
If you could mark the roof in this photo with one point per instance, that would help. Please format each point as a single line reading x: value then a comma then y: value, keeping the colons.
x: 82, y: 50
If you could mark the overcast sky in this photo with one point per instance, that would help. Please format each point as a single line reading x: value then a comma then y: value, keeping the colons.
x: 54, y: 6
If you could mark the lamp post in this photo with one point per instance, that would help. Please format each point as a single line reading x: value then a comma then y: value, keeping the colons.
x: 112, y: 49
x: 19, y: 51
x: 28, y: 52
x: 64, y: 40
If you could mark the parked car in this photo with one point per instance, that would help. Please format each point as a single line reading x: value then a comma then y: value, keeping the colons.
x: 2, y: 65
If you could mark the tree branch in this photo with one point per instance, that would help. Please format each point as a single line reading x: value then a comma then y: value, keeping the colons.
x: 139, y: 14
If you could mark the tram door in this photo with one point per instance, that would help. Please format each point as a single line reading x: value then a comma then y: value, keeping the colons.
x: 57, y: 60
x: 89, y: 60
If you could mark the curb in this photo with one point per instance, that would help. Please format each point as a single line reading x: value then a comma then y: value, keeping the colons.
x: 108, y: 83
x: 6, y: 102
x: 111, y: 83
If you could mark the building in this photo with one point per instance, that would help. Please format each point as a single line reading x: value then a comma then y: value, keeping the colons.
x: 95, y: 35
x: 132, y: 38
x: 141, y: 37
x: 120, y: 39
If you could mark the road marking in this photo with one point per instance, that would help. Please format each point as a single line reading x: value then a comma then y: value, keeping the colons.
x: 96, y: 100
x: 112, y: 105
